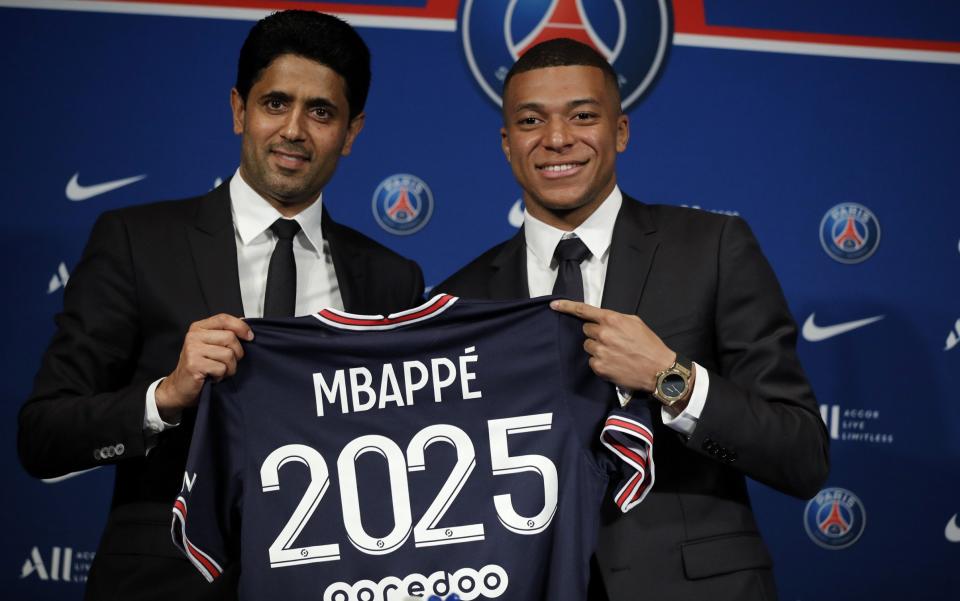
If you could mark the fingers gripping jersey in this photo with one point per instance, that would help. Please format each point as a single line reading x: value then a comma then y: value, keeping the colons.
x: 463, y: 446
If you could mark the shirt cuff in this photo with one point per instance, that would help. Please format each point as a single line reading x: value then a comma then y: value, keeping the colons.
x: 152, y: 422
x: 686, y: 422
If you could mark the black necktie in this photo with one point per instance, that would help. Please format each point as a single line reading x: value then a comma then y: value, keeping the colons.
x: 570, y: 252
x: 281, y: 296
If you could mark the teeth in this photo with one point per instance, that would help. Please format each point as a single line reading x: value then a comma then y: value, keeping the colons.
x: 559, y: 168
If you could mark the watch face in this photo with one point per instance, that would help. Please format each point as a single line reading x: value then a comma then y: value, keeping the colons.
x: 673, y: 386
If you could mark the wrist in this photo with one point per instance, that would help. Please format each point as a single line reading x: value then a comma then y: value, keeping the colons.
x: 167, y: 405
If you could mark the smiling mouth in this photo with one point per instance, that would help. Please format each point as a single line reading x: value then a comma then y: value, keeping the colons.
x: 560, y: 169
x: 288, y: 158
x: 290, y: 161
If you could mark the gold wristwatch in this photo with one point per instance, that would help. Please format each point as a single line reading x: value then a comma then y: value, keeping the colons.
x: 673, y: 382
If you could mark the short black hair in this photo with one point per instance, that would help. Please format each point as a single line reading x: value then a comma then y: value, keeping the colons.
x: 313, y: 35
x: 562, y: 52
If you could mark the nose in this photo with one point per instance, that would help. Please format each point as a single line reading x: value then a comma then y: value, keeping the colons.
x: 558, y: 136
x: 293, y: 127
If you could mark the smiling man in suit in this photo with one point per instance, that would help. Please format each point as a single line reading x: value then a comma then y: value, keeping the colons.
x: 681, y: 311
x: 155, y: 305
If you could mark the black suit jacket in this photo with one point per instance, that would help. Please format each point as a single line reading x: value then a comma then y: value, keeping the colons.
x: 146, y: 274
x: 700, y: 281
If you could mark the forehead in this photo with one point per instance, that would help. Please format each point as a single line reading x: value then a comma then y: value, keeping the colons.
x: 557, y: 86
x: 296, y: 75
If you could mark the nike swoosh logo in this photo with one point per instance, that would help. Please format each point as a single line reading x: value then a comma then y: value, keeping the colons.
x: 516, y: 214
x: 76, y: 192
x: 952, y: 531
x: 814, y: 333
x: 67, y: 476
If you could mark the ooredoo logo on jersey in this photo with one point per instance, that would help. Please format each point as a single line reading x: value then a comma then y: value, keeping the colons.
x: 633, y: 35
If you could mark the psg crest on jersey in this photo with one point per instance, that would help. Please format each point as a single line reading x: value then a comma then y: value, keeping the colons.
x: 849, y: 233
x: 633, y: 35
x: 402, y: 204
x: 835, y: 518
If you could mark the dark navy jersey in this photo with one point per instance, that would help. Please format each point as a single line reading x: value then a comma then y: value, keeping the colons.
x: 462, y: 446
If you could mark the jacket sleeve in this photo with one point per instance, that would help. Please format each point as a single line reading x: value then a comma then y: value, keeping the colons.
x: 83, y: 410
x: 760, y: 416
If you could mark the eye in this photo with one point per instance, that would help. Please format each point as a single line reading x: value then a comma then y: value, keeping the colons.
x: 322, y: 112
x: 584, y: 116
x: 528, y: 121
x: 274, y: 104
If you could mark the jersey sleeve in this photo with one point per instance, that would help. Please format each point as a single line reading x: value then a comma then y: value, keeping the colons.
x: 205, y: 522
x: 619, y: 439
x: 628, y: 434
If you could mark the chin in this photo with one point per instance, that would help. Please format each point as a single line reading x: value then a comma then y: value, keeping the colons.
x: 563, y: 203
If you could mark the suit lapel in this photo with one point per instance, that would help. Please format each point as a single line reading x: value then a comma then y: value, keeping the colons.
x: 509, y: 277
x: 214, y: 248
x: 348, y: 263
x: 631, y: 254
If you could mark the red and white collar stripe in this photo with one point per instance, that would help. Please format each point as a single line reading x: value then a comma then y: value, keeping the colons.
x: 349, y: 321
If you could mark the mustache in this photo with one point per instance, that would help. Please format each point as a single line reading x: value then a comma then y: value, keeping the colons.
x: 291, y: 148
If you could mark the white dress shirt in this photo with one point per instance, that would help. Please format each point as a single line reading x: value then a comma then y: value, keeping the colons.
x: 597, y: 234
x: 317, y: 286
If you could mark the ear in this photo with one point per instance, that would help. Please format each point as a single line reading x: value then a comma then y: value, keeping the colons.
x: 505, y: 142
x: 353, y: 130
x: 239, y: 110
x: 623, y: 132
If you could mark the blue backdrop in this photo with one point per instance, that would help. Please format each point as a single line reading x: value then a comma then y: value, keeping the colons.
x: 781, y: 112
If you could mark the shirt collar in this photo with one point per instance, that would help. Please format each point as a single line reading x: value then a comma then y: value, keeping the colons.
x: 596, y: 232
x: 253, y: 215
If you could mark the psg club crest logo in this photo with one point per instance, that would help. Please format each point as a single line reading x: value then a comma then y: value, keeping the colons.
x: 402, y: 204
x: 849, y: 233
x: 633, y: 35
x: 835, y: 518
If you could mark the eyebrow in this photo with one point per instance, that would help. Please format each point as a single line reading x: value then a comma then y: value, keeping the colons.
x: 317, y: 102
x: 539, y: 106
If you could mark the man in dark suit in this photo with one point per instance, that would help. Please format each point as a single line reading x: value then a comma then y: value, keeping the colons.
x: 136, y: 340
x: 661, y: 284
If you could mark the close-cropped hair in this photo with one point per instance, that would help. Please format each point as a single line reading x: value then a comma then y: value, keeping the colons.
x: 315, y: 36
x: 561, y: 52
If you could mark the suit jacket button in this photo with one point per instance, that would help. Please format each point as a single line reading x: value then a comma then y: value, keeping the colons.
x: 120, y: 449
x: 96, y: 454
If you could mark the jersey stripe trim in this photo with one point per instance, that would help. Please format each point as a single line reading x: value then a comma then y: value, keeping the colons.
x: 350, y: 321
x: 631, y: 441
x: 206, y: 565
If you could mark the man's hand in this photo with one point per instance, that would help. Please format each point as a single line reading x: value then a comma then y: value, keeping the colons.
x: 622, y: 348
x: 210, y: 348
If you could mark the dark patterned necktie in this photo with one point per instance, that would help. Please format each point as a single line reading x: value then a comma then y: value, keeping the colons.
x: 570, y: 252
x: 281, y: 296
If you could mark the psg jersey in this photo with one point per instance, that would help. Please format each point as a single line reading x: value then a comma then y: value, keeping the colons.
x: 459, y: 447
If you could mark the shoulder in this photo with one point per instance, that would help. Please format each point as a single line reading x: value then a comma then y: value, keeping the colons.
x: 145, y: 221
x: 672, y: 218
x: 352, y: 240
x: 686, y: 225
x: 471, y: 279
x: 154, y: 216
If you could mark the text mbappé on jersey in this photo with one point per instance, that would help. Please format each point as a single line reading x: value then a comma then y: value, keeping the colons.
x: 361, y: 389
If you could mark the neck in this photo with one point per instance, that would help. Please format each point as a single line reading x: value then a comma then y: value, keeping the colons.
x: 288, y: 207
x: 566, y: 219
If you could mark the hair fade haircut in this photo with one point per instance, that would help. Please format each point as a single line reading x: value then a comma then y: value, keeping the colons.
x: 562, y: 52
x: 313, y: 35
